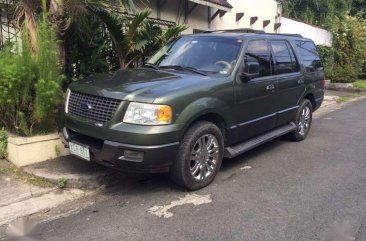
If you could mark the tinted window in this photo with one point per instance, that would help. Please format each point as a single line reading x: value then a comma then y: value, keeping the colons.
x: 284, y: 57
x: 258, y: 53
x: 310, y: 56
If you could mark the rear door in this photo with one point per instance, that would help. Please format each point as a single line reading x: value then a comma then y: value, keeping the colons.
x: 290, y: 79
x: 255, y: 108
x: 313, y: 67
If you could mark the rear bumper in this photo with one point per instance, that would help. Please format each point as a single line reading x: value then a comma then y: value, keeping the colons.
x: 152, y: 159
x: 318, y: 103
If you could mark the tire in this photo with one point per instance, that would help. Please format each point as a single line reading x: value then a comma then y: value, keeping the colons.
x: 303, y: 120
x: 197, y: 167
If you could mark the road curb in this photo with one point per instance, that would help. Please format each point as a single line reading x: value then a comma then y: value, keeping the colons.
x: 71, y: 172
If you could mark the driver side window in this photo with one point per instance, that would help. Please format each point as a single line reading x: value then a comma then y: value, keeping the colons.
x: 258, y: 59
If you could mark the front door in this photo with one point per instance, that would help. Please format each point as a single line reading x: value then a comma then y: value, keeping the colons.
x: 255, y: 108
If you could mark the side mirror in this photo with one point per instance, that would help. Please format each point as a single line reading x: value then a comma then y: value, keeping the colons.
x: 245, y: 77
x: 251, y: 71
x: 146, y: 59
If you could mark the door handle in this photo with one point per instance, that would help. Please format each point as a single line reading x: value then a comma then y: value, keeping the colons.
x: 270, y: 87
x: 301, y: 81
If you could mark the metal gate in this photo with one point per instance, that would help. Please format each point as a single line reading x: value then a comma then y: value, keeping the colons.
x: 8, y: 32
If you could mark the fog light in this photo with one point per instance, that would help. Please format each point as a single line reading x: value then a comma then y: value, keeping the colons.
x: 133, y: 156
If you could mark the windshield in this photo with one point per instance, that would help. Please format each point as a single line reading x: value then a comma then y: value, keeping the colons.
x: 209, y: 54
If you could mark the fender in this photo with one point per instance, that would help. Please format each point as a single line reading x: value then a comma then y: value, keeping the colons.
x: 201, y: 107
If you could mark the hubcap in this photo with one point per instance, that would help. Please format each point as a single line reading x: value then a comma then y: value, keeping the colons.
x: 204, y: 157
x: 304, y: 120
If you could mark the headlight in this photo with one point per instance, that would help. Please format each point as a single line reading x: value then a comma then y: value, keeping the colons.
x: 67, y: 101
x: 148, y: 114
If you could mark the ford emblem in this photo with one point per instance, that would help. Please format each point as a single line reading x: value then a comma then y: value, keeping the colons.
x: 86, y: 107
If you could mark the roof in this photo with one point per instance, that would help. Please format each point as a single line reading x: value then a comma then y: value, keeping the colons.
x: 233, y: 34
x: 220, y: 2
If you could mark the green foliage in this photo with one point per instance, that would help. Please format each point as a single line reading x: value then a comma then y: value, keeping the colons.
x: 327, y: 56
x: 57, y: 150
x: 136, y: 37
x: 319, y: 12
x: 3, y: 143
x: 17, y: 79
x: 343, y: 99
x: 30, y: 83
x: 61, y: 182
x: 349, y: 37
x: 360, y: 84
x: 48, y: 73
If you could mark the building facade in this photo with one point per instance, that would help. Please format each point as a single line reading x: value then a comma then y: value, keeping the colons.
x: 204, y: 15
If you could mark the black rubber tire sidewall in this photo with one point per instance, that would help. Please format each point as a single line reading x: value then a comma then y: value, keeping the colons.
x: 180, y: 171
x: 295, y: 135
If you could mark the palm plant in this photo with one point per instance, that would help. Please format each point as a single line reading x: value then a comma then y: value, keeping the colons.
x: 136, y: 36
x: 131, y: 36
x: 26, y: 12
x: 63, y: 13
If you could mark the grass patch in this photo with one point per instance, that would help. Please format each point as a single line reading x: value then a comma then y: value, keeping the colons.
x: 342, y: 99
x: 3, y: 143
x: 360, y: 84
x: 62, y: 182
x: 27, y: 178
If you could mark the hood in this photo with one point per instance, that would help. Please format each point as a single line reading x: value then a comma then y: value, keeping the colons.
x: 141, y: 85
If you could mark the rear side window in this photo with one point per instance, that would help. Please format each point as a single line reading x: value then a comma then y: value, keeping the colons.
x: 284, y: 57
x: 310, y: 55
x: 258, y: 53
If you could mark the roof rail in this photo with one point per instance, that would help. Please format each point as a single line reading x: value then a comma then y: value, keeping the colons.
x: 286, y: 34
x: 239, y: 30
x: 249, y: 30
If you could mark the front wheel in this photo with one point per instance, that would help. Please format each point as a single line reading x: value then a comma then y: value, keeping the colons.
x: 199, y: 157
x: 303, y: 120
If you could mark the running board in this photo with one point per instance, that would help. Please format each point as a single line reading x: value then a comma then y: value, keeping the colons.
x: 234, y: 151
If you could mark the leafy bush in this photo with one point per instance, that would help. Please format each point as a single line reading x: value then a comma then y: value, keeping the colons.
x: 3, y: 143
x: 30, y: 83
x: 327, y: 56
x: 349, y: 37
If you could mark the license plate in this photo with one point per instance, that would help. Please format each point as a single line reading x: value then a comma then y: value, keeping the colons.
x: 80, y: 151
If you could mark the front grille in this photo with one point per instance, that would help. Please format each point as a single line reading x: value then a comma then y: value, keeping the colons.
x: 92, y: 108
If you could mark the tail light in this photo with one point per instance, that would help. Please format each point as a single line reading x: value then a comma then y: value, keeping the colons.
x: 322, y: 82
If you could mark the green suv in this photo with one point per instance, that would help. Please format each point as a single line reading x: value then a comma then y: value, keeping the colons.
x: 199, y: 99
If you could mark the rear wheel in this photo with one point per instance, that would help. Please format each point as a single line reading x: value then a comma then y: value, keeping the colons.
x: 200, y: 156
x: 303, y: 120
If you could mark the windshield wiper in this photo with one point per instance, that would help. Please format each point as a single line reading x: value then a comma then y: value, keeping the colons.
x: 186, y: 68
x: 153, y: 66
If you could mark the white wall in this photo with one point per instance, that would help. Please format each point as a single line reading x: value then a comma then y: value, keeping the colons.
x: 263, y: 9
x: 318, y: 35
x: 198, y: 19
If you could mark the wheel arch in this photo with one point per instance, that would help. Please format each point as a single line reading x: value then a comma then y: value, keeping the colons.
x: 311, y: 98
x: 209, y: 116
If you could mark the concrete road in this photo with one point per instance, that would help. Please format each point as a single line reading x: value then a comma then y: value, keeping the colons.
x: 313, y: 190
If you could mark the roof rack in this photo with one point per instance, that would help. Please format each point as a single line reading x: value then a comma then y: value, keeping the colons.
x: 286, y: 34
x: 238, y: 30
x: 249, y: 30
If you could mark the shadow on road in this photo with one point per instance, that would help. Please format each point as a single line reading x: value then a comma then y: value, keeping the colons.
x: 129, y: 184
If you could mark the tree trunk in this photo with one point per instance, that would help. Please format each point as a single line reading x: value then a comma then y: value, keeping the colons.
x: 58, y: 21
x: 32, y: 31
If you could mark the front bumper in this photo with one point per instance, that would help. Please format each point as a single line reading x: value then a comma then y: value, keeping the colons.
x: 154, y: 159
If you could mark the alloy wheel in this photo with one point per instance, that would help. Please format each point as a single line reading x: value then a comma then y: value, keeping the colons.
x: 204, y: 157
x: 304, y: 120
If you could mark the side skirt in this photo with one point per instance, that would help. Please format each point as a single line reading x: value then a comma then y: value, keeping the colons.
x: 234, y: 151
